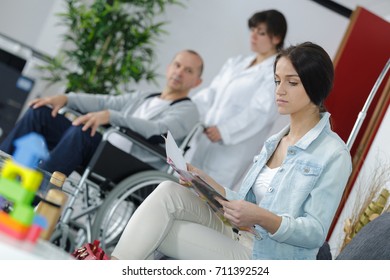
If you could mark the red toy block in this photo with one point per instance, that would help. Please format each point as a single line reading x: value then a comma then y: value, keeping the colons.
x: 34, y: 233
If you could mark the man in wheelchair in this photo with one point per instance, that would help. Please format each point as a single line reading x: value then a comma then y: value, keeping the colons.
x: 73, y: 143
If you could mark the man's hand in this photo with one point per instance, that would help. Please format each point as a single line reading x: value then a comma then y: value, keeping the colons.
x: 212, y: 132
x: 93, y: 120
x: 56, y: 102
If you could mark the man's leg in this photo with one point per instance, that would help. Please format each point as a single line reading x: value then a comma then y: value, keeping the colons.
x: 69, y: 146
x: 75, y: 148
x: 40, y: 121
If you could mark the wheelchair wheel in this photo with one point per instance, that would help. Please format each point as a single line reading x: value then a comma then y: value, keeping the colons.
x: 120, y: 204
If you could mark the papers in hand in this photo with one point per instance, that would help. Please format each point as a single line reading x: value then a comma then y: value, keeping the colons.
x: 202, y: 188
x: 174, y: 153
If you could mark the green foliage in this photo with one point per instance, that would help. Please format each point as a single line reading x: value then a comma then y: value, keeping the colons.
x: 109, y: 43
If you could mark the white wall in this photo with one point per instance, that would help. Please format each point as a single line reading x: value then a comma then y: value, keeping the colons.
x: 217, y: 29
x: 32, y: 22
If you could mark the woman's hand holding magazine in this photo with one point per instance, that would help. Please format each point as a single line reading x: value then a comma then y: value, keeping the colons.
x: 239, y: 213
x: 205, y: 186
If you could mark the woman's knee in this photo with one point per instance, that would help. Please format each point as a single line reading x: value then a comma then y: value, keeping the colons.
x: 168, y: 184
x: 169, y: 190
x: 168, y: 187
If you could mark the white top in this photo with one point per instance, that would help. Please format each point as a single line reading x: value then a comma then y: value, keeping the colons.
x: 150, y: 107
x: 261, y: 186
x: 145, y: 111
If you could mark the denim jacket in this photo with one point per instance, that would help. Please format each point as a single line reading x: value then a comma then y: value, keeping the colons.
x: 305, y: 192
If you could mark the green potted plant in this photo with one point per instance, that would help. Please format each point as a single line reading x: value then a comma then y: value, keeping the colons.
x: 109, y: 43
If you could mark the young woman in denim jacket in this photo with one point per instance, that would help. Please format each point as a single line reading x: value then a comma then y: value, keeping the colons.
x: 288, y: 198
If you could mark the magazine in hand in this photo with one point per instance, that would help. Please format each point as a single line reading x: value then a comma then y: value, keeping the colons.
x: 201, y: 187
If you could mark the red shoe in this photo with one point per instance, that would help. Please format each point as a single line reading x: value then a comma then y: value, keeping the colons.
x: 90, y: 251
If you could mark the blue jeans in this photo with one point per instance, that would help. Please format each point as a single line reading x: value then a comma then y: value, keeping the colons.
x: 69, y: 146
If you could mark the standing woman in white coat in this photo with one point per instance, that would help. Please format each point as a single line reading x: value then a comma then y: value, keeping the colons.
x: 238, y: 108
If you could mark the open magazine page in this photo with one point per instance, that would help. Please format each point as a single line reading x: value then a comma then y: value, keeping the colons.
x: 206, y: 192
x: 202, y: 189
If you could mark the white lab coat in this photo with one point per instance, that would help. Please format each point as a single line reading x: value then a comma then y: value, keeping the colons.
x: 241, y: 102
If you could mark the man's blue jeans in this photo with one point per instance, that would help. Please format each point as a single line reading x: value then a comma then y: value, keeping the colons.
x: 69, y: 146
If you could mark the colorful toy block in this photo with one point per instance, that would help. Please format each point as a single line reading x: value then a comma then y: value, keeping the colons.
x: 29, y: 178
x: 11, y: 223
x: 12, y: 190
x: 19, y: 182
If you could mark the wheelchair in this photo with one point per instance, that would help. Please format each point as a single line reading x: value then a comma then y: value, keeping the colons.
x: 110, y: 189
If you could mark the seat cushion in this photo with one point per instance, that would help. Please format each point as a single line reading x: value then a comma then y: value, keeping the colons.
x: 372, y: 242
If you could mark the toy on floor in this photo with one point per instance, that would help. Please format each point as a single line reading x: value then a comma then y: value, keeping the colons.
x: 19, y: 181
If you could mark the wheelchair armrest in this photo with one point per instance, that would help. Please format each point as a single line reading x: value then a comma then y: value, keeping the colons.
x: 69, y: 113
x: 140, y: 140
x: 137, y: 138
